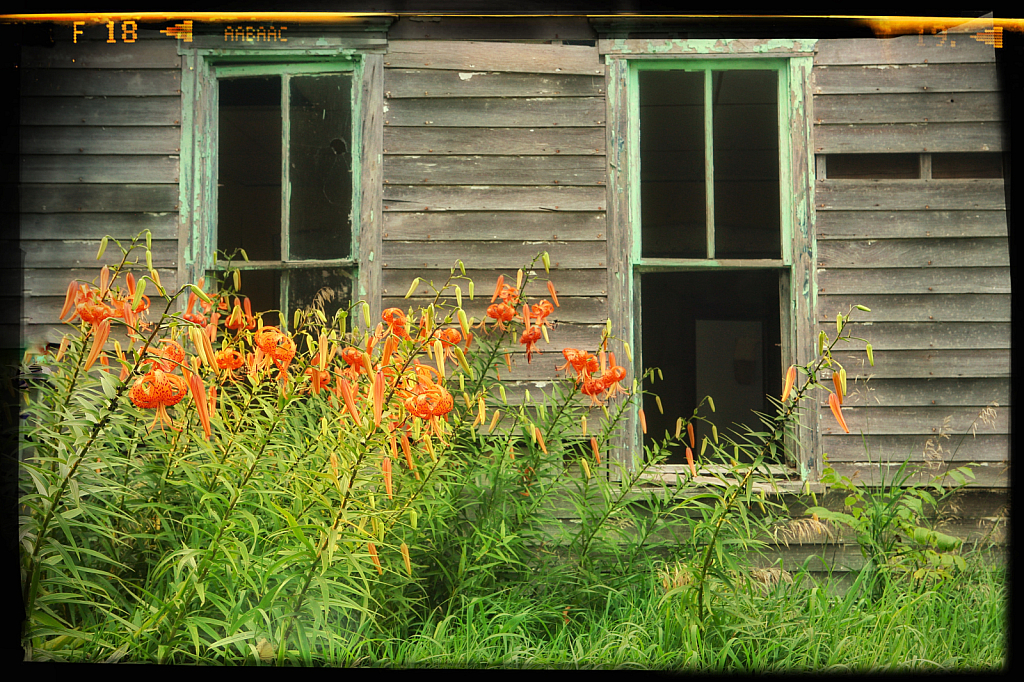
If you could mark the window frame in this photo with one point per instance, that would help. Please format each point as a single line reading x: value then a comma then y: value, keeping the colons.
x: 793, y: 63
x: 202, y: 69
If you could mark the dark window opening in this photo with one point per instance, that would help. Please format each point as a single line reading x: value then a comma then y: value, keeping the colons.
x: 967, y: 165
x: 873, y: 166
x: 711, y: 333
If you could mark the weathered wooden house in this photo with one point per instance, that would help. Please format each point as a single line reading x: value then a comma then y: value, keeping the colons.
x: 719, y: 199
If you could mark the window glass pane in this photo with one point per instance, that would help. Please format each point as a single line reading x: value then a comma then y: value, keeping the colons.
x: 967, y: 165
x: 249, y: 167
x: 330, y: 288
x: 746, y: 168
x: 873, y: 166
x: 711, y: 333
x: 673, y: 203
x: 320, y: 166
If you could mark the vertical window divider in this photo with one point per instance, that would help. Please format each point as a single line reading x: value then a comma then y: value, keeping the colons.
x: 285, y: 192
x: 709, y: 162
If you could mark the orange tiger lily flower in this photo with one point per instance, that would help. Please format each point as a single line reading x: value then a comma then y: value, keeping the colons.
x: 160, y: 390
x: 373, y: 555
x: 100, y: 330
x: 199, y: 395
x: 497, y: 287
x: 386, y: 468
x: 378, y: 397
x: 833, y: 403
x: 689, y: 432
x: 643, y: 420
x: 530, y: 337
x: 790, y: 380
x: 278, y: 345
x: 839, y: 386
x: 346, y: 394
x: 689, y: 461
x: 597, y: 452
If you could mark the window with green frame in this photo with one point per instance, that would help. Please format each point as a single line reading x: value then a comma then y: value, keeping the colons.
x: 711, y: 244
x: 284, y: 183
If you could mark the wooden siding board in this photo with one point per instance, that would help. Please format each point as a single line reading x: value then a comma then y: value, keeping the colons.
x: 464, y: 55
x: 918, y: 107
x: 101, y: 111
x: 81, y: 253
x: 429, y: 140
x: 400, y: 83
x: 574, y: 282
x: 922, y: 253
x: 904, y: 78
x: 496, y: 198
x: 942, y: 391
x: 123, y: 226
x: 495, y: 225
x: 910, y: 137
x: 496, y: 112
x: 133, y: 198
x: 100, y: 82
x: 495, y: 170
x: 493, y: 254
x: 924, y: 335
x: 910, y: 49
x: 99, y: 169
x: 987, y: 474
x: 915, y: 420
x: 370, y: 248
x: 101, y: 140
x: 918, y: 307
x: 909, y: 195
x: 91, y: 54
x: 898, y: 280
x: 702, y: 48
x: 899, y: 448
x: 910, y: 224
x: 930, y: 363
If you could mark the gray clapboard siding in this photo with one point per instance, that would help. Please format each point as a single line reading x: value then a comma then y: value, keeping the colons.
x: 431, y: 83
x: 123, y: 226
x: 893, y: 253
x: 157, y: 53
x: 496, y: 112
x: 896, y: 364
x: 984, y: 136
x: 922, y: 335
x: 951, y: 47
x: 987, y: 474
x: 939, y: 280
x: 904, y: 78
x: 909, y: 195
x: 897, y: 448
x: 576, y: 282
x: 918, y: 307
x: 492, y: 198
x: 44, y: 282
x: 909, y: 224
x: 81, y: 253
x: 102, y: 111
x: 132, y: 198
x: 117, y: 169
x: 915, y: 420
x: 496, y: 170
x: 491, y: 225
x: 921, y: 107
x: 148, y: 140
x: 430, y: 140
x: 466, y: 56
x: 100, y: 82
x: 491, y: 254
x: 969, y: 391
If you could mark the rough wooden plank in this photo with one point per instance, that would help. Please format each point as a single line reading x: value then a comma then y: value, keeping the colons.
x: 485, y: 225
x: 291, y: 42
x: 142, y: 54
x: 900, y: 448
x: 918, y: 308
x: 497, y: 254
x: 918, y: 107
x: 573, y: 309
x: 744, y: 47
x: 955, y: 280
x: 910, y: 137
x: 495, y: 170
x: 915, y: 420
x: 100, y: 82
x: 923, y: 335
x: 491, y: 27
x: 416, y: 83
x: 972, y: 391
x: 591, y: 282
x: 894, y: 78
x: 122, y: 226
x: 909, y: 195
x: 932, y: 363
x: 370, y: 161
x: 81, y: 253
x: 987, y: 474
x: 48, y: 282
x: 467, y: 55
x: 949, y: 47
x: 427, y: 140
x: 893, y: 253
x: 98, y: 198
x: 99, y: 169
x: 486, y: 198
x: 99, y: 140
x: 496, y: 112
x: 909, y: 224
x: 101, y: 111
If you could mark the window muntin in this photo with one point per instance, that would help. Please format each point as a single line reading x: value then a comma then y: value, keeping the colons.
x: 284, y: 184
